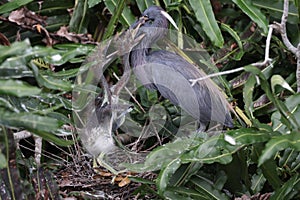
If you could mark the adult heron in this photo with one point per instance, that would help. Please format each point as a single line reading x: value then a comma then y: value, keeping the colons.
x: 169, y: 73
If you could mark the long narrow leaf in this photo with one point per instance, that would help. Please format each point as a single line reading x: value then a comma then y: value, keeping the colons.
x: 220, y: 149
x: 279, y: 80
x: 29, y: 121
x: 144, y: 4
x: 166, y: 173
x: 77, y: 23
x: 10, y: 6
x: 288, y: 190
x: 269, y: 168
x: 275, y: 9
x: 114, y: 19
x: 183, y: 193
x: 17, y: 88
x: 127, y: 17
x: 254, y: 13
x: 273, y: 98
x: 50, y: 82
x: 279, y: 143
x: 205, y: 15
x: 208, y: 189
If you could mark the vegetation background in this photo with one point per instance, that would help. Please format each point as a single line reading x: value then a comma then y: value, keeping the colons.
x: 43, y: 45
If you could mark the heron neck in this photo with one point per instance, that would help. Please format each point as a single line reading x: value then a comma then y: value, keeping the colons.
x: 138, y: 56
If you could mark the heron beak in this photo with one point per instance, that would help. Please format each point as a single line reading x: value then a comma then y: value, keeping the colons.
x: 138, y: 23
x: 171, y: 20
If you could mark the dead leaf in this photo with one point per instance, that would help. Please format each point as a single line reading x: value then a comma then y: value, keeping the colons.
x: 26, y: 17
x: 124, y: 182
x: 3, y: 40
x: 74, y: 37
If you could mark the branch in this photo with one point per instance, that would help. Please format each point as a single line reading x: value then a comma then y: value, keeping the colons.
x: 282, y: 29
x: 194, y: 81
x: 257, y: 64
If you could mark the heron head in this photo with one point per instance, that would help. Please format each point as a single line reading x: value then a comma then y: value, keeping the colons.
x: 155, y: 16
x: 103, y: 107
x: 153, y: 24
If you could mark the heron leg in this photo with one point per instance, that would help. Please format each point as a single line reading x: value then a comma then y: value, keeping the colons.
x: 102, y: 163
x: 201, y: 127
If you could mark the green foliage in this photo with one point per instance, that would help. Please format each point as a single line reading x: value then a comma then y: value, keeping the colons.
x: 254, y: 13
x: 36, y: 81
x: 205, y: 16
x: 5, y: 8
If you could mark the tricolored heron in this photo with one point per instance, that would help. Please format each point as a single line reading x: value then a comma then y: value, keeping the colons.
x: 169, y: 73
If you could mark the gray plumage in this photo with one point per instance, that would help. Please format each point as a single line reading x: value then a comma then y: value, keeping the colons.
x: 169, y: 73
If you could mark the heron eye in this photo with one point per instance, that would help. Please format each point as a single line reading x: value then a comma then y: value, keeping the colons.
x: 150, y: 20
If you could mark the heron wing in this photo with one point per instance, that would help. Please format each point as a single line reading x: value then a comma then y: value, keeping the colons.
x: 170, y: 73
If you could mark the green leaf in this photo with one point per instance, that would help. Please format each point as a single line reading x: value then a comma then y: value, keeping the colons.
x: 92, y: 3
x: 67, y: 53
x: 141, y: 180
x: 269, y: 168
x: 207, y: 189
x: 29, y: 121
x: 165, y: 174
x: 215, y: 149
x: 10, y: 6
x: 289, y: 159
x: 6, y: 104
x: 144, y: 4
x: 278, y: 143
x: 286, y: 116
x: 40, y: 125
x: 16, y: 48
x: 17, y: 88
x: 254, y: 13
x: 221, y: 179
x: 70, y: 73
x: 78, y: 22
x: 162, y: 156
x: 297, y: 3
x: 275, y: 9
x: 235, y: 37
x: 205, y: 15
x: 148, y: 97
x: 278, y: 80
x: 292, y: 103
x: 127, y: 17
x: 114, y: 19
x: 288, y: 190
x: 233, y: 33
x: 257, y: 181
x: 219, y: 149
x: 246, y: 136
x: 179, y: 193
x: 50, y: 82
x: 3, y: 162
x: 20, y: 53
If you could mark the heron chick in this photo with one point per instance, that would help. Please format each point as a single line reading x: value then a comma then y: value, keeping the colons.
x: 107, y: 115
